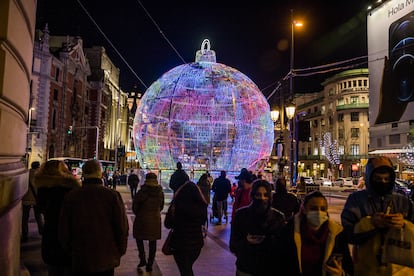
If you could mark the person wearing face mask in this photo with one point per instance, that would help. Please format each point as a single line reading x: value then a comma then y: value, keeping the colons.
x: 255, y: 232
x: 312, y: 244
x: 368, y: 214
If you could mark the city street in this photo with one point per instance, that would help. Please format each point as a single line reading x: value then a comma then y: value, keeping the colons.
x: 215, y: 258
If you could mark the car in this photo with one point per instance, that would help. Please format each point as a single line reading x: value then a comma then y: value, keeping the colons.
x: 344, y: 182
x: 308, y: 180
x: 325, y: 182
x: 402, y: 187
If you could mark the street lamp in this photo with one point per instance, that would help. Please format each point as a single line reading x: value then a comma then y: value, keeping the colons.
x: 293, y: 24
x: 290, y: 114
x: 29, y: 135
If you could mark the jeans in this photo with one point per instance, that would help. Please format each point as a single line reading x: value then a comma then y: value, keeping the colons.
x: 151, y: 252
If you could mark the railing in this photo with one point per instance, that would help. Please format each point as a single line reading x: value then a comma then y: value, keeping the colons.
x: 352, y: 106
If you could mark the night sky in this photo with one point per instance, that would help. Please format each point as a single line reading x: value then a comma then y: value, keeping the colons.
x: 251, y: 36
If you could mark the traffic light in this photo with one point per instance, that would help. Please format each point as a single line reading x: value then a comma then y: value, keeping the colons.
x: 70, y: 130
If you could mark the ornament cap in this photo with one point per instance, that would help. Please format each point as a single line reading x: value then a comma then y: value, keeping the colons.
x: 205, y: 54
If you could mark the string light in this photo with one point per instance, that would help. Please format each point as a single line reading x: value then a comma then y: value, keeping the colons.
x: 330, y: 148
x: 407, y: 155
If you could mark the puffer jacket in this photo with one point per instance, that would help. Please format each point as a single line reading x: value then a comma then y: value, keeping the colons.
x: 147, y: 207
x: 51, y: 191
x: 256, y: 259
x: 356, y: 220
x: 94, y: 227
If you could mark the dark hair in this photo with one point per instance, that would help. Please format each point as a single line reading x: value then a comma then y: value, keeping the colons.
x: 35, y: 165
x: 189, y: 192
x: 179, y: 165
x: 281, y: 185
x: 311, y: 195
x: 223, y: 173
x: 261, y: 183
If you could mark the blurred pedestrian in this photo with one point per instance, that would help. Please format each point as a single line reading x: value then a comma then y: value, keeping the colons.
x: 368, y: 214
x: 116, y: 180
x: 133, y: 181
x: 205, y: 186
x: 255, y: 232
x: 147, y: 207
x: 186, y: 215
x: 312, y: 244
x: 242, y: 195
x: 221, y: 188
x: 361, y: 183
x: 29, y: 201
x: 233, y: 191
x: 282, y: 200
x: 53, y: 182
x: 178, y: 178
x: 94, y: 225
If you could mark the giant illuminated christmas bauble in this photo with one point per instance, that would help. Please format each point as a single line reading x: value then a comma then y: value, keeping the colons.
x: 205, y: 115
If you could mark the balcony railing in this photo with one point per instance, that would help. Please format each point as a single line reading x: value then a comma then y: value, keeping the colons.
x: 352, y: 106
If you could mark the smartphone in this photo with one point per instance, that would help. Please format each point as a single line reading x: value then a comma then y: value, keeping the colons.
x: 334, y: 256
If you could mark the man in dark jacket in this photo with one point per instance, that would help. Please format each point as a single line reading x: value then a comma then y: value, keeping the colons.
x: 255, y: 232
x: 133, y: 181
x: 94, y: 225
x: 284, y: 201
x: 368, y: 214
x: 221, y: 188
x: 178, y: 178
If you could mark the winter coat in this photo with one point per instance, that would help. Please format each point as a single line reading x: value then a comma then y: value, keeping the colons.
x: 50, y: 191
x: 356, y: 220
x: 221, y: 188
x: 205, y: 186
x: 147, y: 206
x: 178, y: 178
x: 94, y: 227
x: 291, y: 244
x: 285, y: 202
x: 186, y: 218
x: 133, y: 180
x: 256, y: 259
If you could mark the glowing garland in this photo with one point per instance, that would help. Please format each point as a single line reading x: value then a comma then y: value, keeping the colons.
x: 330, y: 148
x: 407, y: 156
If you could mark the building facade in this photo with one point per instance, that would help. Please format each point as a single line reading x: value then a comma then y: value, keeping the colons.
x: 17, y: 28
x: 77, y: 108
x: 339, y: 127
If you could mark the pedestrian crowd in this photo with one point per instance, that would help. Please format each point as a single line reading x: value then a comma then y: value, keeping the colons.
x: 84, y: 226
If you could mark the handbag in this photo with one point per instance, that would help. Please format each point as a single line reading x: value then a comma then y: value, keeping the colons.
x: 398, y: 246
x: 167, y: 247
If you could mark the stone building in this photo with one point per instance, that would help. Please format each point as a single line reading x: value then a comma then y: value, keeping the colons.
x: 338, y: 117
x: 17, y: 21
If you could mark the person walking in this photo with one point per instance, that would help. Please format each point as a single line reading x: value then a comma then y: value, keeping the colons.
x: 147, y: 207
x: 116, y: 180
x: 255, y: 232
x: 221, y: 188
x: 242, y: 194
x: 311, y: 244
x: 28, y: 202
x: 205, y: 186
x: 178, y: 178
x: 53, y: 182
x: 368, y: 214
x: 94, y: 225
x: 186, y: 215
x: 282, y: 200
x: 133, y: 181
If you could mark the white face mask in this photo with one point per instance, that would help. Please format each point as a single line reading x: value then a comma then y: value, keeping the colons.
x: 316, y: 218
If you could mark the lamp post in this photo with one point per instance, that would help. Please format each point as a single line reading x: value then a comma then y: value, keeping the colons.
x: 290, y: 113
x: 293, y: 24
x: 29, y: 136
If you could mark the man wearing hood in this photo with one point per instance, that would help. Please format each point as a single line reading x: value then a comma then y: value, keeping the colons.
x: 368, y: 214
x: 255, y: 232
